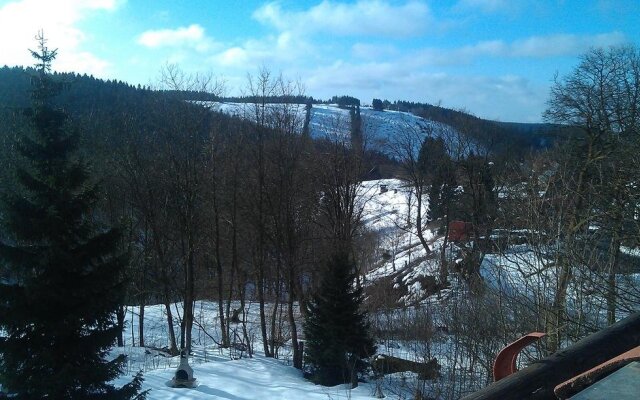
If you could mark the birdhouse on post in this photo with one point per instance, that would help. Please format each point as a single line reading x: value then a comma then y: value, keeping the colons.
x: 184, y: 373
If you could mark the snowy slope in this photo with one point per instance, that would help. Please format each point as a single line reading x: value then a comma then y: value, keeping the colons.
x: 391, y: 214
x: 380, y: 125
x: 327, y: 120
x: 401, y: 262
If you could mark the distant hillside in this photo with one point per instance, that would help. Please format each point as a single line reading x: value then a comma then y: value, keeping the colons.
x: 113, y: 113
x: 329, y: 120
x: 82, y: 92
x: 87, y: 96
x: 493, y: 134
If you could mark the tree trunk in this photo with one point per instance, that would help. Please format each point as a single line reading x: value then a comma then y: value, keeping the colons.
x: 261, y: 234
x: 274, y: 314
x: 173, y: 347
x: 263, y: 318
x: 555, y: 323
x: 245, y: 333
x: 120, y: 315
x: 419, y: 230
x: 141, y: 321
x: 611, y: 294
x: 221, y: 314
x: 234, y: 259
x: 224, y: 331
x: 443, y: 273
x: 189, y: 299
x: 297, y: 355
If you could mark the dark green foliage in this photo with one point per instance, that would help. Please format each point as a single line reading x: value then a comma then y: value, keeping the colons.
x: 356, y: 128
x: 478, y: 198
x: 500, y: 137
x: 439, y: 169
x: 345, y: 101
x: 336, y: 330
x: 64, y: 274
x: 377, y: 105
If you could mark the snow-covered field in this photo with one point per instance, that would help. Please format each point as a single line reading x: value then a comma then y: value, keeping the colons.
x: 248, y: 378
x: 328, y: 120
x: 229, y: 373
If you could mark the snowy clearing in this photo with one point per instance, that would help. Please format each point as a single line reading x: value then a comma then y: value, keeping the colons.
x: 244, y: 379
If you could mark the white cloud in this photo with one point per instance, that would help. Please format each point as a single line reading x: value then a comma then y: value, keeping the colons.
x: 282, y: 49
x: 373, y: 51
x: 364, y: 17
x: 531, y: 47
x: 343, y: 77
x: 564, y: 44
x: 82, y: 62
x: 487, y: 6
x: 21, y: 20
x: 234, y: 56
x: 487, y: 47
x: 192, y: 36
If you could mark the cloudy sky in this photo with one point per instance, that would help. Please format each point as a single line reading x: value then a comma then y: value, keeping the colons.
x: 493, y: 58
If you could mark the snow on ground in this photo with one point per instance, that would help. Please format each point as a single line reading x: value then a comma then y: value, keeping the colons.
x: 231, y: 374
x: 247, y: 378
x: 632, y: 251
x: 328, y: 120
x: 220, y: 373
x: 520, y: 272
x: 385, y: 203
x: 379, y: 125
x: 389, y: 209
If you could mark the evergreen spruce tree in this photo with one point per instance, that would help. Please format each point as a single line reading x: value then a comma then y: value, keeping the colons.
x: 336, y: 330
x: 439, y: 171
x: 65, y: 274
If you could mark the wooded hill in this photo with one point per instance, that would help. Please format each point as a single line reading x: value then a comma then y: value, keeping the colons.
x: 87, y: 95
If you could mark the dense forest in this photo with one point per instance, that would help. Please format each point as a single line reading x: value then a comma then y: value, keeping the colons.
x: 88, y: 93
x: 252, y: 209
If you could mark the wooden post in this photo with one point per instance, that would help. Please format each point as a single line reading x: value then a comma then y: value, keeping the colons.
x: 538, y: 380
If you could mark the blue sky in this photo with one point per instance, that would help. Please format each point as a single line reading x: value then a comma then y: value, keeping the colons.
x: 493, y: 58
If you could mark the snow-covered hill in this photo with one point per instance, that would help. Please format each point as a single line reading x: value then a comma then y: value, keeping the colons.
x: 332, y: 121
x: 389, y: 211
